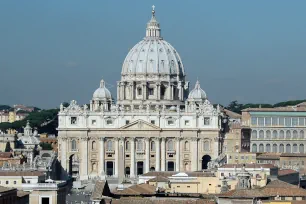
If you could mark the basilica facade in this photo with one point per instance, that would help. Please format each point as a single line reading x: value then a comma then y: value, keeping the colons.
x: 155, y: 124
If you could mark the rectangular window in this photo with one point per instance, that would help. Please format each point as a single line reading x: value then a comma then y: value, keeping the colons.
x: 295, y: 121
x: 188, y: 186
x: 230, y: 157
x: 127, y: 156
x: 93, y: 122
x: 127, y: 122
x: 187, y: 122
x: 274, y: 121
x: 246, y: 157
x: 109, y: 122
x: 7, y: 182
x: 153, y: 122
x: 151, y: 91
x: 170, y: 155
x: 222, y: 174
x: 242, y: 157
x: 301, y: 122
x: 73, y: 120
x: 288, y: 122
x: 261, y: 121
x: 281, y: 121
x: 170, y: 122
x: 206, y: 121
x: 152, y: 155
x: 178, y: 186
x: 268, y: 121
x: 254, y: 121
x: 15, y: 182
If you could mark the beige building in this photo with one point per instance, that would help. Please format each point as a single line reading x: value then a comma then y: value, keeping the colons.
x: 232, y: 140
x: 241, y: 158
x: 4, y: 116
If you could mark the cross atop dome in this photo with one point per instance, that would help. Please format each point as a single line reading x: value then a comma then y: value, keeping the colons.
x: 153, y: 10
x: 153, y: 29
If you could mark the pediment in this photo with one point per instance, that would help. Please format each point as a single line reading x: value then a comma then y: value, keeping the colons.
x: 140, y: 125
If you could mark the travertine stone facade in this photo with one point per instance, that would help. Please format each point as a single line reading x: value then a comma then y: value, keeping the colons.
x: 156, y: 124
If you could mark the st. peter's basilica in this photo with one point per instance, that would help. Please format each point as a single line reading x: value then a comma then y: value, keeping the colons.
x: 155, y: 124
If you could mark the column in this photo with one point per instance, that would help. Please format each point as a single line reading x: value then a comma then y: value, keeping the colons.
x: 147, y: 140
x: 163, y: 154
x: 63, y: 153
x: 194, y: 160
x: 116, y: 157
x: 177, y: 165
x: 132, y: 168
x: 158, y: 91
x: 157, y: 155
x: 84, y: 156
x: 118, y: 91
x: 102, y: 153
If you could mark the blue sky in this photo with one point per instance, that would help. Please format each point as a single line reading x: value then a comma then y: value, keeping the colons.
x: 54, y: 51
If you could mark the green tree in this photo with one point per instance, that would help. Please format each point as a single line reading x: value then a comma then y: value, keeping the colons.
x: 234, y: 106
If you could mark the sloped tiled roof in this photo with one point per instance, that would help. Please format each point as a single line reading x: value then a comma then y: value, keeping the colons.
x: 282, y: 172
x: 169, y: 173
x: 248, y: 166
x: 140, y: 189
x: 272, y: 189
x: 159, y: 179
x: 97, y: 193
x: 137, y: 200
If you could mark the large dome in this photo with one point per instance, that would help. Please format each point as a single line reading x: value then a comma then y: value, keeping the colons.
x: 153, y: 55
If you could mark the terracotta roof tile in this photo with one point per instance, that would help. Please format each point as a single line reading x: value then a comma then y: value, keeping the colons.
x: 171, y: 173
x: 159, y: 179
x: 21, y: 173
x: 282, y: 172
x: 277, y: 109
x: 248, y: 166
x: 140, y: 189
x: 98, y: 190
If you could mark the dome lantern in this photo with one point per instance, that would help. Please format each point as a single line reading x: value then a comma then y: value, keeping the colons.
x: 153, y: 28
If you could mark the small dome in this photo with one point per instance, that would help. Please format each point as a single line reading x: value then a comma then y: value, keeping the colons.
x: 102, y: 93
x: 197, y: 93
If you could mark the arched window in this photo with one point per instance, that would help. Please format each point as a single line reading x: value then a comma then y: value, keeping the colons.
x: 274, y: 148
x: 288, y: 148
x: 254, y: 148
x: 261, y: 134
x: 274, y: 134
x: 288, y: 134
x: 73, y: 145
x: 139, y: 145
x: 128, y: 146
x: 206, y: 145
x: 295, y: 148
x: 268, y: 148
x: 152, y: 146
x: 93, y: 145
x: 301, y: 148
x: 301, y: 134
x: 254, y: 134
x: 109, y: 145
x: 295, y: 134
x: 186, y: 146
x: 261, y: 148
x: 281, y: 148
x: 170, y: 145
x: 281, y: 134
x: 268, y: 134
